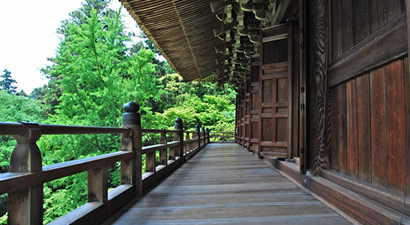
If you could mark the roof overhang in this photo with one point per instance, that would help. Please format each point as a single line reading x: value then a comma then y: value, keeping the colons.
x: 213, y: 39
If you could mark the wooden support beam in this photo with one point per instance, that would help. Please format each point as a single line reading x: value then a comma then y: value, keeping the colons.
x: 317, y: 89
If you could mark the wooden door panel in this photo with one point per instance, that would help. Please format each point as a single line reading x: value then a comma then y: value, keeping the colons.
x: 275, y: 90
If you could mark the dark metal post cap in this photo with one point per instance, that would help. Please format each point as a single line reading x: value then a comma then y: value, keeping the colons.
x: 131, y: 107
x: 131, y: 115
x: 197, y: 127
x: 178, y: 124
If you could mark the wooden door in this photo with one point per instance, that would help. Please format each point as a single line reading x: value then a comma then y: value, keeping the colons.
x: 275, y: 92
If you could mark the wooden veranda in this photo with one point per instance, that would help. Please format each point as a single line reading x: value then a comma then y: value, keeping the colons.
x: 223, y: 184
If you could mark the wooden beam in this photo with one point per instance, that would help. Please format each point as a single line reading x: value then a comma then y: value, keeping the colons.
x: 317, y: 89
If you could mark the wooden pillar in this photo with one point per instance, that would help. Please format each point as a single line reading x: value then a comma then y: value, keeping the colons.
x: 204, y: 137
x: 180, y: 137
x: 187, y: 145
x: 163, y: 159
x: 131, y: 172
x: 198, y: 132
x: 208, y: 137
x: 318, y: 111
x: 26, y: 206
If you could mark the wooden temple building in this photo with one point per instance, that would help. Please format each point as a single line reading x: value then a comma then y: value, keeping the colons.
x: 323, y: 98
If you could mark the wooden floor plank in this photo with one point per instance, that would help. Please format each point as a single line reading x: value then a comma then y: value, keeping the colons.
x: 224, y: 184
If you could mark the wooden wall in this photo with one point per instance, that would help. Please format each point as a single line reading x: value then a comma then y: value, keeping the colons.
x: 353, y: 21
x: 369, y: 88
x: 369, y: 125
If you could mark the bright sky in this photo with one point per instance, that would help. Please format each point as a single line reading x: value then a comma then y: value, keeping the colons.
x: 28, y: 36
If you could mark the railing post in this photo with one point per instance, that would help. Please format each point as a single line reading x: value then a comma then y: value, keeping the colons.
x: 131, y: 171
x: 187, y: 145
x: 208, y: 135
x: 198, y: 132
x: 163, y: 160
x: 204, y: 139
x: 180, y: 137
x: 26, y: 206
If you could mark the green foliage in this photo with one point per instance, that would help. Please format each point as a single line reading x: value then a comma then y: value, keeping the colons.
x: 8, y: 83
x: 93, y: 74
x: 14, y: 108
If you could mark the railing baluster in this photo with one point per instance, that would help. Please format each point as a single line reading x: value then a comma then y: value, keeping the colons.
x: 163, y: 153
x: 97, y: 185
x: 150, y: 162
x: 188, y: 144
x: 132, y: 119
x: 208, y: 138
x: 26, y: 206
x: 198, y: 133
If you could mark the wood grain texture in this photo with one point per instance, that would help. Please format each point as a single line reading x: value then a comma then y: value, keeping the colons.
x: 395, y: 122
x: 360, y: 20
x: 378, y: 142
x: 317, y: 89
x: 377, y: 14
x: 363, y: 127
x: 224, y: 184
x: 339, y: 129
x: 352, y: 149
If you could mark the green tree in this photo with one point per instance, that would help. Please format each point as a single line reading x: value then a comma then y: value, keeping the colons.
x: 14, y: 108
x: 95, y: 75
x: 8, y: 83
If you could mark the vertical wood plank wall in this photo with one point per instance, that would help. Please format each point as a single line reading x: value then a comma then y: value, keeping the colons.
x: 369, y: 125
x: 369, y: 112
x: 352, y: 21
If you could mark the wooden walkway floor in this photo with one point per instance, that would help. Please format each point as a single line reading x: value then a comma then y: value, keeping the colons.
x: 225, y: 184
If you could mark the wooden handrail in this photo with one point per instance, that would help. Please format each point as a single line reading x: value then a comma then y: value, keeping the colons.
x: 10, y: 182
x: 158, y: 131
x: 27, y: 175
x: 21, y: 129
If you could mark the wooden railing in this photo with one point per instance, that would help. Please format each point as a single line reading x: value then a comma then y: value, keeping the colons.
x: 24, y: 182
x: 221, y: 137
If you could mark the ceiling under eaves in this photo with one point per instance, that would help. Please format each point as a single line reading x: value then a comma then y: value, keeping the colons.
x: 183, y: 32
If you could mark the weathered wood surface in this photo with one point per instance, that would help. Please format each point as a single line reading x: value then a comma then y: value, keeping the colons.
x: 223, y: 184
x: 369, y: 126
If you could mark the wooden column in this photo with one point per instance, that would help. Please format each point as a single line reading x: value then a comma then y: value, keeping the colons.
x: 198, y: 133
x: 26, y: 206
x: 203, y: 138
x: 318, y: 110
x: 188, y: 145
x: 131, y: 172
x: 163, y: 159
x: 180, y: 137
x: 208, y: 138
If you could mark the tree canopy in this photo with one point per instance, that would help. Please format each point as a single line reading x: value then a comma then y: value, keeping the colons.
x: 7, y: 83
x: 95, y: 71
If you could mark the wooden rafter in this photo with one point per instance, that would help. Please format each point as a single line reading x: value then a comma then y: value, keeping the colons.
x: 187, y: 39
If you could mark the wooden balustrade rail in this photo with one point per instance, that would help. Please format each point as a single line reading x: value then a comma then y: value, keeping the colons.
x: 24, y: 182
